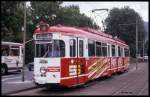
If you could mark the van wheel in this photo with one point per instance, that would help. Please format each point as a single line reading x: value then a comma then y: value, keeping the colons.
x: 4, y: 69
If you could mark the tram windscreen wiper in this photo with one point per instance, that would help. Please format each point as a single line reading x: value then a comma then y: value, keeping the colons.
x: 46, y: 53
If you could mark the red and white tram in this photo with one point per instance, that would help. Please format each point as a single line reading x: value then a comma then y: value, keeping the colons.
x: 70, y: 56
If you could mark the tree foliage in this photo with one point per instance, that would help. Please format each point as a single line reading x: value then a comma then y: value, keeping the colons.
x: 11, y: 22
x: 125, y: 15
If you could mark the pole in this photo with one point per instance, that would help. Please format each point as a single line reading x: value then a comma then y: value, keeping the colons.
x: 143, y: 50
x: 28, y: 41
x: 136, y: 45
x: 105, y: 9
x: 24, y: 38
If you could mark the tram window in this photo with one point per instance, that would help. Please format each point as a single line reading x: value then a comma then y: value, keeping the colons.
x: 80, y: 48
x: 72, y: 48
x: 119, y: 51
x: 113, y: 50
x: 55, y: 49
x: 46, y: 50
x: 62, y: 48
x: 37, y: 46
x: 104, y: 49
x: 91, y: 48
x: 108, y: 50
x: 126, y: 51
x: 98, y: 49
x: 59, y: 48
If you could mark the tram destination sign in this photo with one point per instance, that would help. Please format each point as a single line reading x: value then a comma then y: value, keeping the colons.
x: 44, y: 36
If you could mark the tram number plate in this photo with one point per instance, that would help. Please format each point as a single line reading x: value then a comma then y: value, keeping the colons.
x: 72, y: 70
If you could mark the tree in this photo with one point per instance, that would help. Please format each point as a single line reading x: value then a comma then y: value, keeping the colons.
x: 44, y: 10
x: 127, y: 33
x: 12, y: 16
x: 71, y: 16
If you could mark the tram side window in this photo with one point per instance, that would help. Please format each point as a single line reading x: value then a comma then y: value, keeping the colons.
x: 108, y: 50
x: 104, y: 49
x: 72, y: 48
x: 91, y: 48
x: 126, y: 51
x: 119, y: 51
x: 113, y: 50
x: 98, y: 49
x: 80, y: 48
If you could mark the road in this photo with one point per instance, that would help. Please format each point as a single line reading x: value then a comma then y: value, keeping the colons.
x: 13, y: 81
x: 133, y: 82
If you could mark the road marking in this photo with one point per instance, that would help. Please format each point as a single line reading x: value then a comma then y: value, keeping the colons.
x: 20, y: 82
x: 142, y: 90
x: 13, y: 73
x: 10, y: 78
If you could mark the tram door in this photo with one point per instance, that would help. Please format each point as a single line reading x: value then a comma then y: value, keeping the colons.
x: 77, y: 60
x: 80, y: 61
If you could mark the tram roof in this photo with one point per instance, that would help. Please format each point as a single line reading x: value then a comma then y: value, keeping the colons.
x: 86, y: 31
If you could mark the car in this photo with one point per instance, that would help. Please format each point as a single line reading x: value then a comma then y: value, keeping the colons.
x: 30, y: 66
x: 145, y: 57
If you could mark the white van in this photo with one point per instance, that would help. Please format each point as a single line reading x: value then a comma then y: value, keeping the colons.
x: 12, y: 56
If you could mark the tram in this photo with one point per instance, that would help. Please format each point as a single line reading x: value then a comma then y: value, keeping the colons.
x: 71, y: 56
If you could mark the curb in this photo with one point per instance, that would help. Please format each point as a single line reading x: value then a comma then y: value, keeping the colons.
x: 17, y: 91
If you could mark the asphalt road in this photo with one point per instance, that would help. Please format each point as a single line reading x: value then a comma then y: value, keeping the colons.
x: 13, y: 81
x: 133, y: 82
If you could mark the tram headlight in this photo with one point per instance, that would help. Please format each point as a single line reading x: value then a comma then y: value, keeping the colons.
x: 43, y: 70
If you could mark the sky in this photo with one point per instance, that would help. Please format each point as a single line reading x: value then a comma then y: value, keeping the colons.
x: 86, y: 7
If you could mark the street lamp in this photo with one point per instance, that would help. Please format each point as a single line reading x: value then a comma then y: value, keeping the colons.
x: 24, y: 39
x: 100, y: 9
x: 53, y: 16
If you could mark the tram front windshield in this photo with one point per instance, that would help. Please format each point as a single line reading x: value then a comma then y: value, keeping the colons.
x: 54, y: 49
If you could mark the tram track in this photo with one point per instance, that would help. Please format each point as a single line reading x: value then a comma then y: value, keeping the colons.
x: 130, y: 84
x: 142, y: 89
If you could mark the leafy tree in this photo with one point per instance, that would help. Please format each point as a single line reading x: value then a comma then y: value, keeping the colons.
x: 71, y: 16
x: 127, y: 33
x: 12, y: 16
